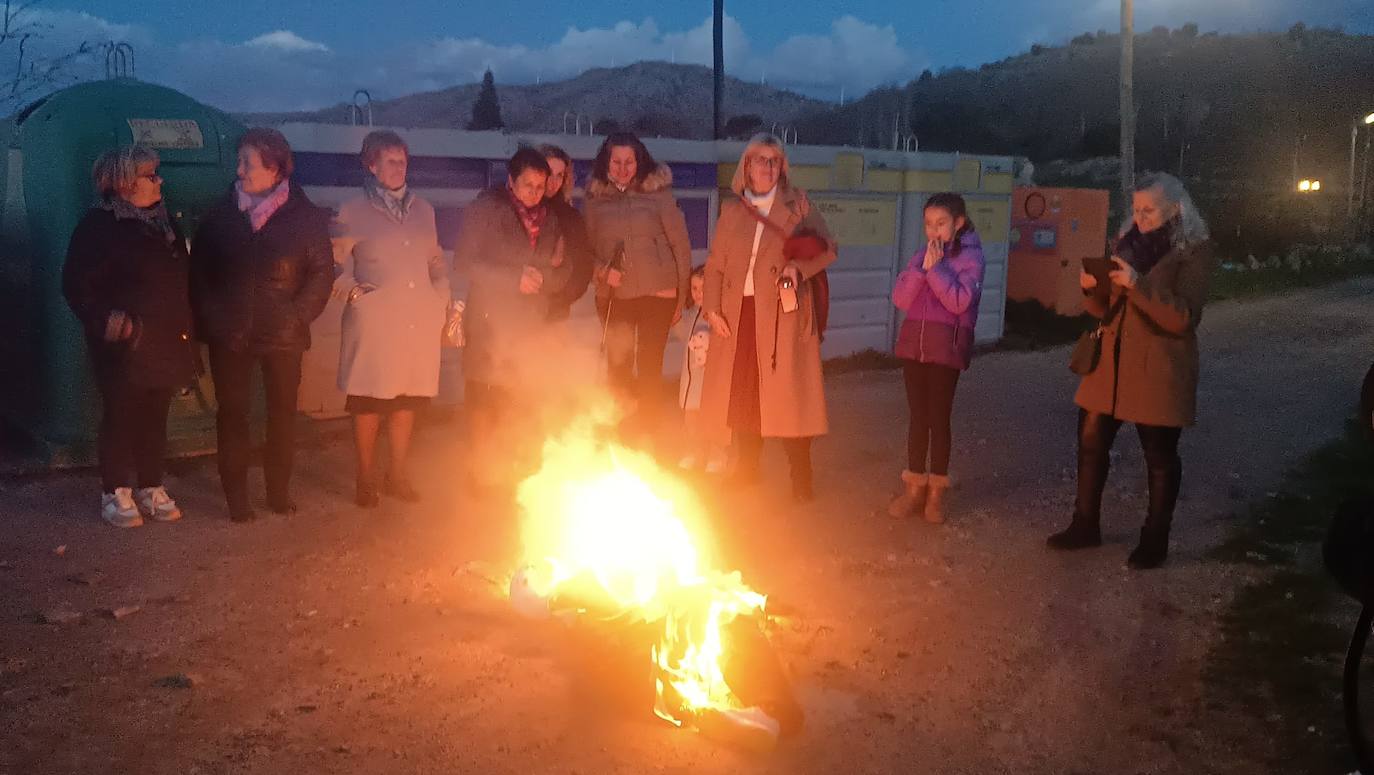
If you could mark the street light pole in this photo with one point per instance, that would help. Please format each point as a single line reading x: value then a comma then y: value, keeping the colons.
x: 1127, y: 99
x: 1368, y: 120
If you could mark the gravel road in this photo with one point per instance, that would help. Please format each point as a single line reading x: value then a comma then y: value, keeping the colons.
x: 343, y: 641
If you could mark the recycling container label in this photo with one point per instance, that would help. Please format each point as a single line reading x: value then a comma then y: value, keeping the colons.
x: 167, y: 133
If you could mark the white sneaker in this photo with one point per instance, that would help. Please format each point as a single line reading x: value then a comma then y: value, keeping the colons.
x: 155, y: 504
x: 715, y: 465
x: 118, y: 508
x: 687, y: 463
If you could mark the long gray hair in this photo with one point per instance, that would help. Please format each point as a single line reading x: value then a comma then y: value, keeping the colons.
x: 1192, y: 228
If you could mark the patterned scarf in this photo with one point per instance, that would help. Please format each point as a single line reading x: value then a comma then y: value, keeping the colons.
x: 261, y: 208
x: 395, y: 204
x: 532, y: 218
x: 154, y: 217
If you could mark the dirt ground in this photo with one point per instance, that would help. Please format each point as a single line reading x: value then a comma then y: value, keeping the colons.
x: 344, y: 641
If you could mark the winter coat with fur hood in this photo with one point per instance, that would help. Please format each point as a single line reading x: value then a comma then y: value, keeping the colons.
x: 644, y: 218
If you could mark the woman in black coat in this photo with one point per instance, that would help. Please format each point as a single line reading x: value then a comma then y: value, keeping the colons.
x: 261, y: 272
x: 577, y: 251
x: 126, y: 279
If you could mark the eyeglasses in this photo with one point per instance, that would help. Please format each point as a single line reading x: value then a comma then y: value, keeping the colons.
x: 152, y: 177
x: 773, y: 162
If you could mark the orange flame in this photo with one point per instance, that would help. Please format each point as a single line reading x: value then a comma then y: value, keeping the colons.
x: 606, y: 526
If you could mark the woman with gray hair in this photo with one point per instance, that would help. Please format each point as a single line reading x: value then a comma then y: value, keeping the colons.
x: 1147, y: 370
x: 127, y: 279
x: 763, y: 374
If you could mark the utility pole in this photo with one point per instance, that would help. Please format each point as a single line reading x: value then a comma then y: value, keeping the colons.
x: 1127, y: 100
x: 718, y: 41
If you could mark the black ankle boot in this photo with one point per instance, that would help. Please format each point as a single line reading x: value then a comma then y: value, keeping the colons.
x: 1164, y: 482
x: 1080, y: 534
x: 1151, y: 551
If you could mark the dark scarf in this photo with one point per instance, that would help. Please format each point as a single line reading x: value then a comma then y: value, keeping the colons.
x: 1143, y: 251
x: 395, y: 207
x: 154, y: 217
x: 532, y: 218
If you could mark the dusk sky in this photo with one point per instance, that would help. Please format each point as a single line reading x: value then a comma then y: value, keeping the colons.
x: 281, y: 55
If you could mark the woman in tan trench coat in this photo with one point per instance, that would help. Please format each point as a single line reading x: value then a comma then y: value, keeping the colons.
x: 1148, y: 370
x: 763, y: 374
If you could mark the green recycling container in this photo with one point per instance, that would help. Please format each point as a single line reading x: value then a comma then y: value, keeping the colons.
x: 46, y: 388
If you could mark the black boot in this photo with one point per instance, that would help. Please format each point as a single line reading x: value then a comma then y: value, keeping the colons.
x: 1094, y: 462
x: 1080, y: 534
x: 1154, y: 536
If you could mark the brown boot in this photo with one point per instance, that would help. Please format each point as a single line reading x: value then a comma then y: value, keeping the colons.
x: 912, y: 498
x: 935, y: 502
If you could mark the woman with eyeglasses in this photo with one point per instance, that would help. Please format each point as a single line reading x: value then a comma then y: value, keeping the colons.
x: 126, y: 278
x: 763, y: 376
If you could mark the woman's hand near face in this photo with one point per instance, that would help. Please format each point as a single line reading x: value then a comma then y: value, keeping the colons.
x: 935, y: 251
x: 614, y: 277
x: 1086, y: 281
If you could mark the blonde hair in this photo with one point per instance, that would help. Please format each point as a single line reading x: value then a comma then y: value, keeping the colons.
x: 117, y: 170
x: 740, y: 182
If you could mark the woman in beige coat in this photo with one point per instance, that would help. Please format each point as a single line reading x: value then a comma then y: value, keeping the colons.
x: 397, y: 288
x: 763, y: 376
x: 1148, y: 370
x: 644, y: 257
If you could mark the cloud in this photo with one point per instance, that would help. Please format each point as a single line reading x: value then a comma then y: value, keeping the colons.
x: 284, y: 70
x: 857, y: 55
x: 285, y: 40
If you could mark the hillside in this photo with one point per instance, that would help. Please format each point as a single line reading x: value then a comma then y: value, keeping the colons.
x: 654, y: 98
x: 1241, y: 103
x: 1240, y: 117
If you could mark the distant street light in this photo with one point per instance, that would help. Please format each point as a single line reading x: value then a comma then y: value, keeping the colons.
x: 1367, y: 120
x: 1308, y: 186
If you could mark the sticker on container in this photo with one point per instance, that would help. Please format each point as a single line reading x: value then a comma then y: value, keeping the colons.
x: 167, y: 132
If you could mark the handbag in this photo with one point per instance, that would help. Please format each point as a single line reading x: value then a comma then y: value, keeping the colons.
x: 1087, y: 351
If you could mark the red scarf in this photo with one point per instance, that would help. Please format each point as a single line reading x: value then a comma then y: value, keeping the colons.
x: 532, y: 218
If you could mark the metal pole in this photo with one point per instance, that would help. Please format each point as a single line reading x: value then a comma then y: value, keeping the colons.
x: 1364, y: 175
x: 718, y: 82
x: 1350, y: 178
x: 1127, y: 100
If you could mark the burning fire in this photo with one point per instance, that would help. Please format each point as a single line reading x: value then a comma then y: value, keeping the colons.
x: 607, y: 533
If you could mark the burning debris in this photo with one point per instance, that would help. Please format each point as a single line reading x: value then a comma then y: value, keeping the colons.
x: 610, y: 538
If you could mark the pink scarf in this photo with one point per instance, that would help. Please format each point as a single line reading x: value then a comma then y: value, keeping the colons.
x: 260, y: 209
x: 532, y: 218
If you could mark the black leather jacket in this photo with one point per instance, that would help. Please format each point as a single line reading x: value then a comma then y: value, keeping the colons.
x: 260, y: 291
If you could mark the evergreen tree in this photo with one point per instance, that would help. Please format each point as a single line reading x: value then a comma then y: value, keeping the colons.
x: 486, y: 111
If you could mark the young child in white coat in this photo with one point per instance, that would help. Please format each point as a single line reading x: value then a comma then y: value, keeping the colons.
x: 700, y: 449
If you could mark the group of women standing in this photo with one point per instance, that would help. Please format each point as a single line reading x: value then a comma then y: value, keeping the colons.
x: 262, y: 265
x: 257, y: 274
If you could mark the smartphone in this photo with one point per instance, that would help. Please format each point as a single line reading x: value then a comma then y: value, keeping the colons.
x: 1099, y: 268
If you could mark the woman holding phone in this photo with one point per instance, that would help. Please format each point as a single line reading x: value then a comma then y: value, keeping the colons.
x: 939, y: 291
x: 1147, y: 371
